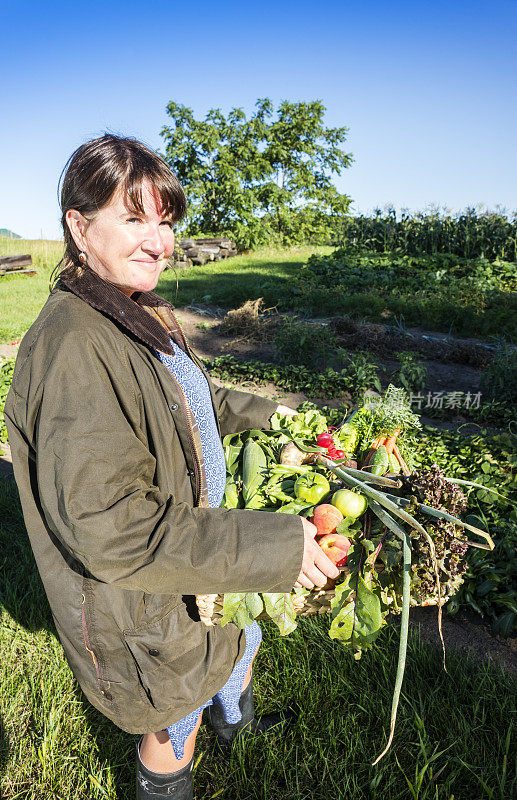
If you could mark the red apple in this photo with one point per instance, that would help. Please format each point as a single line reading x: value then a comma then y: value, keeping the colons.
x: 336, y: 547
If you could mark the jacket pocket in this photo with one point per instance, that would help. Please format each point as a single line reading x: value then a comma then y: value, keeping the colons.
x: 103, y: 684
x: 169, y: 654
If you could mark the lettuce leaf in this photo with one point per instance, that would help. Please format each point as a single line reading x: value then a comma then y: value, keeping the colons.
x: 305, y: 425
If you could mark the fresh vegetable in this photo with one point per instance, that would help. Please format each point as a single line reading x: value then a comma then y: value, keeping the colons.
x: 380, y: 461
x: 403, y: 465
x: 254, y: 465
x: 293, y: 456
x: 311, y: 487
x: 351, y: 504
x: 324, y: 440
x: 391, y: 441
x: 326, y: 518
x: 346, y: 437
x: 394, y: 465
x: 404, y: 551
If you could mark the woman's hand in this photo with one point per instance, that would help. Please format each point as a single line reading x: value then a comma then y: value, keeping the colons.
x: 316, y: 566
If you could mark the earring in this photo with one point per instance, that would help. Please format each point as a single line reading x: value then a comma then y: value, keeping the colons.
x: 82, y: 258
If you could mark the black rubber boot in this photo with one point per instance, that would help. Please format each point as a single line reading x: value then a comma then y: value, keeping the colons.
x: 248, y: 725
x: 149, y: 784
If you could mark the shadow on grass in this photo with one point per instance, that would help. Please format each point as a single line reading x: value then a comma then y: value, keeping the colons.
x: 271, y: 280
x: 21, y: 589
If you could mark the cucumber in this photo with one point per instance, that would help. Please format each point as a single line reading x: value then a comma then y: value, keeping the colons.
x: 394, y: 464
x: 380, y: 462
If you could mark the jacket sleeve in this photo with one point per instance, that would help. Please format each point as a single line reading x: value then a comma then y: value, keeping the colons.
x: 97, y: 489
x: 239, y: 411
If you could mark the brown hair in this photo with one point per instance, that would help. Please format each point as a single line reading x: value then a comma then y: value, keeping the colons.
x: 95, y: 171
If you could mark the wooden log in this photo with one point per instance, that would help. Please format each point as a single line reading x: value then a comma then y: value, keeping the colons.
x: 220, y: 241
x: 18, y: 272
x: 15, y: 262
x: 200, y: 260
x: 186, y: 243
x: 209, y: 249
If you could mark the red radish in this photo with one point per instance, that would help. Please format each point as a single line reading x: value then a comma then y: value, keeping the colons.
x: 339, y: 454
x: 324, y: 440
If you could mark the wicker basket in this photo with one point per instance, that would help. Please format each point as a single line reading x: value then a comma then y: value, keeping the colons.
x: 317, y: 601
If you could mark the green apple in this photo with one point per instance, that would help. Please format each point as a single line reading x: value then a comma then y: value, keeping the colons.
x: 351, y: 504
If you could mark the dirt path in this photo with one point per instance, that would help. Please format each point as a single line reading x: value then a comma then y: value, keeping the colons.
x: 7, y: 350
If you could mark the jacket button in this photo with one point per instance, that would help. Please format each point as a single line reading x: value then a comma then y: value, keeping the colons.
x: 153, y: 652
x: 174, y: 406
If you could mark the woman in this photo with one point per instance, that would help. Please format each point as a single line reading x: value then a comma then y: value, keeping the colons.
x: 115, y: 430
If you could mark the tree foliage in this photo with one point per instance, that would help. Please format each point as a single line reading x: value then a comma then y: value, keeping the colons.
x: 259, y: 179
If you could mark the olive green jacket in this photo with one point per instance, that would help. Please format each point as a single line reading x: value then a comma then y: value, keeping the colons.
x: 108, y: 463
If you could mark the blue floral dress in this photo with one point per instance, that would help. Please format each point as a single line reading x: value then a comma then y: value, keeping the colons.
x: 196, y: 389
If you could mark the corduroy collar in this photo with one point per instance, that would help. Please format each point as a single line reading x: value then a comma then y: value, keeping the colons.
x: 127, y: 312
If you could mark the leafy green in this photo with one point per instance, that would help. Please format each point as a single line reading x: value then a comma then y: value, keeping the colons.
x: 356, y: 614
x: 281, y: 610
x: 304, y: 425
x: 241, y: 608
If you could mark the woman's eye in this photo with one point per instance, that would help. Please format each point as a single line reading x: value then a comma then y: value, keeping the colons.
x: 134, y: 219
x: 166, y: 222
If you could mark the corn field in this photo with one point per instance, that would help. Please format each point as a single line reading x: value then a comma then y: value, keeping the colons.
x: 470, y: 234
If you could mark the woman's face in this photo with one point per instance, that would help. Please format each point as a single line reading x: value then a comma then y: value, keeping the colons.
x: 125, y: 248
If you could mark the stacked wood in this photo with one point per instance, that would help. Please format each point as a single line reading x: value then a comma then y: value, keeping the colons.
x: 199, y: 251
x: 13, y: 265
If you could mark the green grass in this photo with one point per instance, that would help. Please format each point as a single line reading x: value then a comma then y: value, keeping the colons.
x: 452, y: 738
x: 21, y: 296
x: 267, y: 273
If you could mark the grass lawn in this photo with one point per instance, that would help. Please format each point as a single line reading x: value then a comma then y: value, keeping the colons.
x: 452, y: 740
x: 264, y: 273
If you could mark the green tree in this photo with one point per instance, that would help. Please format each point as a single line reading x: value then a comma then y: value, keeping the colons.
x: 262, y: 179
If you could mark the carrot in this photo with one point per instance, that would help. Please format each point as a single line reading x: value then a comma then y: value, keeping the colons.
x: 404, y: 466
x: 391, y: 441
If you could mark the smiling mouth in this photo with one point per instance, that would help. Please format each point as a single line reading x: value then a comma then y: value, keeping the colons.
x: 146, y: 261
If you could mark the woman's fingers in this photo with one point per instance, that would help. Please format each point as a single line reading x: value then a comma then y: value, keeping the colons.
x: 316, y: 566
x: 304, y: 581
x: 323, y: 562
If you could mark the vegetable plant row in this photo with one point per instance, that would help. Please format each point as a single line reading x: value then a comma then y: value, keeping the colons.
x: 475, y: 296
x: 488, y: 234
x: 358, y: 375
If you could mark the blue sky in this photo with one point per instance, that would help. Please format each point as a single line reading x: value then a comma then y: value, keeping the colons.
x: 427, y: 89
